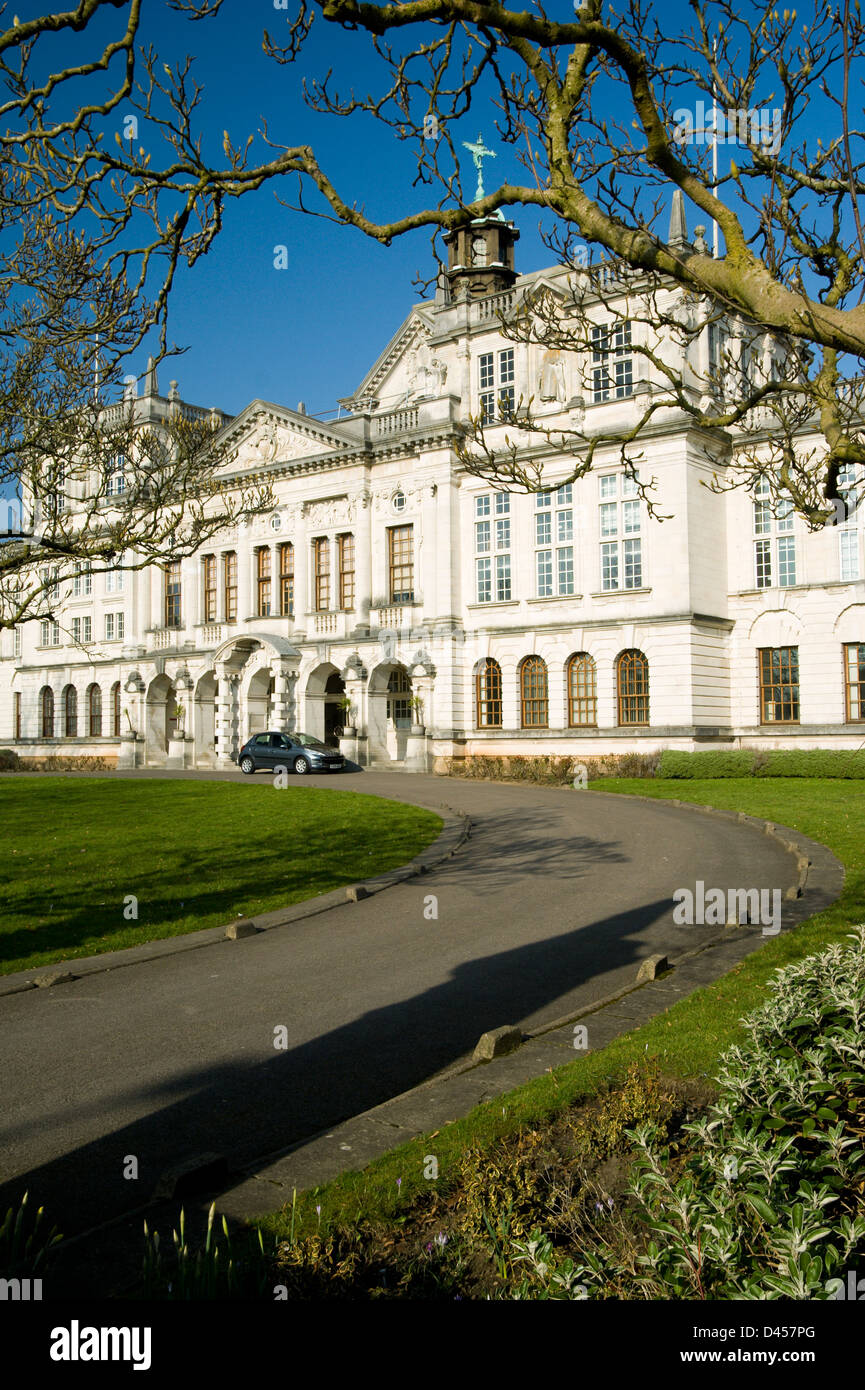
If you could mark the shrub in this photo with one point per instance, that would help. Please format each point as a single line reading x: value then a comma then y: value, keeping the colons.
x: 733, y: 762
x: 768, y: 1204
x: 551, y: 770
x: 813, y: 762
x: 9, y: 760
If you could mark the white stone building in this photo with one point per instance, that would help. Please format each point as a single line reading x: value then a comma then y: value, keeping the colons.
x: 568, y: 622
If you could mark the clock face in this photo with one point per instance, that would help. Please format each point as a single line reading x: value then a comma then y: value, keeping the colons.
x: 276, y: 522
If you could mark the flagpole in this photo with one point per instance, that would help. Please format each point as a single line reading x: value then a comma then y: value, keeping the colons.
x: 714, y: 151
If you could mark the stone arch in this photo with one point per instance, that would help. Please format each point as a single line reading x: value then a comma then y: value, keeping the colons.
x: 850, y: 623
x: 204, y: 718
x: 160, y: 721
x: 258, y: 694
x: 255, y: 675
x: 323, y: 715
x: 776, y: 627
x: 389, y: 689
x: 70, y: 712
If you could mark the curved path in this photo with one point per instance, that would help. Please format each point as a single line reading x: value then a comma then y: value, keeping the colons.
x: 550, y: 904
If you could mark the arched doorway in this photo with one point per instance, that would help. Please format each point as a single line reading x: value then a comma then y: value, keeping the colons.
x: 205, y: 719
x: 389, y: 712
x: 259, y: 698
x: 323, y: 714
x: 334, y: 715
x: 161, y: 719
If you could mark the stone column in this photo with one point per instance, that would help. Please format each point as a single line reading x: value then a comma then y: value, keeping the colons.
x: 244, y: 574
x: 226, y: 716
x: 448, y: 557
x: 280, y: 696
x: 157, y: 597
x: 363, y: 564
x: 301, y: 577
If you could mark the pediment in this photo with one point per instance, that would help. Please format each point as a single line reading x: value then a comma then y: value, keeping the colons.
x: 409, y: 368
x: 266, y: 435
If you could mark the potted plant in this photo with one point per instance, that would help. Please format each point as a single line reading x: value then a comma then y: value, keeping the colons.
x: 417, y: 714
x: 345, y: 705
x: 179, y: 713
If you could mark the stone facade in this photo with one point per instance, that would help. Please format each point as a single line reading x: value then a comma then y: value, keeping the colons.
x: 408, y: 577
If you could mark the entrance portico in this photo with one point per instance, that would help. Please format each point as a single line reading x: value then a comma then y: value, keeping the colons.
x: 255, y: 678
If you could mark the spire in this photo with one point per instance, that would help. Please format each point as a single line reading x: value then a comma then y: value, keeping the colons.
x: 677, y: 237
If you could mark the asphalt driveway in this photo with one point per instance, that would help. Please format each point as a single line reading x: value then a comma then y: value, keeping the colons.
x: 550, y: 904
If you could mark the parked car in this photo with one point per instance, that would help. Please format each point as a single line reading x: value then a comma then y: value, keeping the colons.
x: 300, y: 752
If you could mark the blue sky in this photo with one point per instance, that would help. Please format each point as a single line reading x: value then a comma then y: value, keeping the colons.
x: 308, y: 332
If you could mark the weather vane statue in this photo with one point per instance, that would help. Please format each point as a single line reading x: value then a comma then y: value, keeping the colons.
x: 479, y: 153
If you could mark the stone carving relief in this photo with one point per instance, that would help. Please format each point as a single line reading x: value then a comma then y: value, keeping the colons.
x: 414, y: 492
x: 427, y: 374
x: 551, y: 378
x: 273, y: 443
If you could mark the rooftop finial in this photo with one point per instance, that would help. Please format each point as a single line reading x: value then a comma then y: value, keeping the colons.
x: 677, y: 237
x: 151, y: 386
x: 479, y: 153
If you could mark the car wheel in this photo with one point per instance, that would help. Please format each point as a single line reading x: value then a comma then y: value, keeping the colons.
x: 247, y: 765
x: 301, y: 766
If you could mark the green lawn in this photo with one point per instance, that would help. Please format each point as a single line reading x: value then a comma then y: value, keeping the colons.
x: 194, y: 854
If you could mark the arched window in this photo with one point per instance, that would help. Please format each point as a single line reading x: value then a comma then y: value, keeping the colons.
x: 632, y: 671
x: 115, y: 709
x: 94, y: 711
x: 582, y: 691
x: 534, y: 697
x: 70, y: 712
x: 488, y: 695
x: 46, y: 701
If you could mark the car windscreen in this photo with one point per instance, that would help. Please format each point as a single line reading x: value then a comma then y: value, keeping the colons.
x: 308, y: 741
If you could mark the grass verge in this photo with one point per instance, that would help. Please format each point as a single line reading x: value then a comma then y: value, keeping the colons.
x: 81, y: 854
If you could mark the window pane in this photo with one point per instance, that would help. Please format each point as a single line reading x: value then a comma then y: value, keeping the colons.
x: 565, y: 526
x: 482, y: 505
x: 854, y: 654
x: 608, y: 485
x: 533, y: 690
x: 849, y: 541
x: 566, y: 570
x: 482, y: 537
x: 489, y: 695
x: 503, y: 534
x: 582, y: 700
x: 545, y: 573
x: 633, y: 564
x: 763, y: 563
x: 609, y: 519
x: 610, y: 565
x: 484, y: 581
x: 503, y: 578
x: 543, y: 529
x: 630, y: 517
x: 786, y: 560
